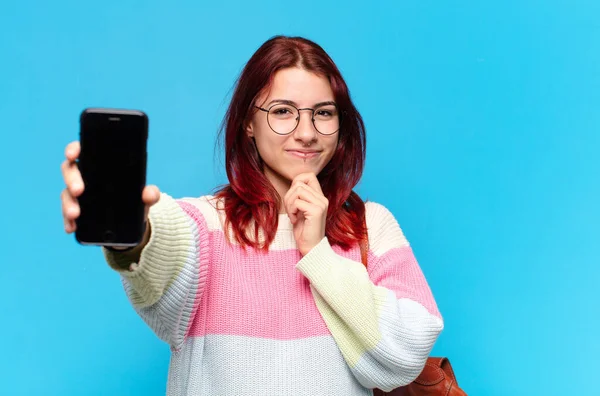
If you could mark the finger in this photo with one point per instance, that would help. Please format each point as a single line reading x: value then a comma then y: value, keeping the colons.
x: 293, y: 217
x: 289, y: 198
x: 72, y: 178
x: 306, y: 193
x: 292, y: 211
x: 72, y: 151
x: 301, y: 208
x: 71, y: 172
x: 303, y: 191
x: 68, y: 223
x: 70, y: 226
x: 287, y: 202
x: 70, y: 209
x: 313, y: 195
x: 311, y: 180
x: 70, y: 206
x: 150, y: 195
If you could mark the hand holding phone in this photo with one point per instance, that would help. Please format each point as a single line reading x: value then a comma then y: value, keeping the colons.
x: 100, y: 203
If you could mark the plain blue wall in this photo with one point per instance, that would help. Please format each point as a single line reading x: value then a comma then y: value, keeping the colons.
x: 483, y: 139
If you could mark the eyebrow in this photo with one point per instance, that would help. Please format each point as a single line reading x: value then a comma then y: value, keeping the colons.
x: 291, y: 102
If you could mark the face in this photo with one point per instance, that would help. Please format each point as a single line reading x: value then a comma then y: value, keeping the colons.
x: 305, y: 149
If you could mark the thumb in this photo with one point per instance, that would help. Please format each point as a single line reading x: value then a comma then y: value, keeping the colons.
x: 150, y: 196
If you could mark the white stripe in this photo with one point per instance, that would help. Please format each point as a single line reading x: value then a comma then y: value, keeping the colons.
x: 237, y: 365
x: 384, y: 231
x: 409, y: 333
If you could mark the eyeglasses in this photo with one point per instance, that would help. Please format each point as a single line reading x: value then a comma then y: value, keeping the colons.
x: 283, y: 118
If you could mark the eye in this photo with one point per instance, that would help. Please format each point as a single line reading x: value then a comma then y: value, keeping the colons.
x: 281, y: 111
x: 326, y: 113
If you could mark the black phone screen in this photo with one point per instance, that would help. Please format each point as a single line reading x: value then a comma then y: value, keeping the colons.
x: 112, y: 163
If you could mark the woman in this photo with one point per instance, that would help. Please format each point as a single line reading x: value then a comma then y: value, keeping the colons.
x: 260, y: 288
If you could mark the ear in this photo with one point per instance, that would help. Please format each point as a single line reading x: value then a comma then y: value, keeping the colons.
x: 249, y: 130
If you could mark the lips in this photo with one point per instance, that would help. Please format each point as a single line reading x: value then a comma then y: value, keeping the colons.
x: 304, y: 154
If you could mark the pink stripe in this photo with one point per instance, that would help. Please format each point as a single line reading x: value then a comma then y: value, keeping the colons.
x: 254, y: 295
x: 399, y: 271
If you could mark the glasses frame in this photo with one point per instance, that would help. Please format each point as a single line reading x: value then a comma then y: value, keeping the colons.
x: 312, y: 117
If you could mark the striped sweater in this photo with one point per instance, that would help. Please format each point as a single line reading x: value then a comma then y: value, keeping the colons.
x: 243, y: 322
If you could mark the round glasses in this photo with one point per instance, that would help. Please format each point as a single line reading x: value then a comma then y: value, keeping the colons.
x: 283, y: 118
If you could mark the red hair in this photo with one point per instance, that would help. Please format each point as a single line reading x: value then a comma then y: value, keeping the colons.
x: 251, y: 203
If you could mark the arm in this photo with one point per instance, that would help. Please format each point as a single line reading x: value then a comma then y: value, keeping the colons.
x: 385, y: 321
x: 164, y: 278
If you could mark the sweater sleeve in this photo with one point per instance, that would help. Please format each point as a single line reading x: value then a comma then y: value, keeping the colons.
x: 165, y: 285
x: 384, y: 319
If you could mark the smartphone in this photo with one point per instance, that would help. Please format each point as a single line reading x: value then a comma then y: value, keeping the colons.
x: 112, y: 163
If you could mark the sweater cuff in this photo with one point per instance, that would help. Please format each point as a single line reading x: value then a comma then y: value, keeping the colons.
x: 169, y: 227
x: 318, y: 262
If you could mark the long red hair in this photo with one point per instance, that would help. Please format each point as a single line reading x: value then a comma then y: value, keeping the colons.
x: 251, y: 203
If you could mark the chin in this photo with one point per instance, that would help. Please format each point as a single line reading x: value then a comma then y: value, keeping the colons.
x: 289, y: 171
x: 304, y: 169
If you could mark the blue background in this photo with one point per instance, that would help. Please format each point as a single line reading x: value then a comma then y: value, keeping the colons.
x: 483, y: 139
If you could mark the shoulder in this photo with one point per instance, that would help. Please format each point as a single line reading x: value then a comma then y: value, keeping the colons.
x: 379, y: 216
x: 207, y: 208
x: 377, y: 212
x: 383, y: 228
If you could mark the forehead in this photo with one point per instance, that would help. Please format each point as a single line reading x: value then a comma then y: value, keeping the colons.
x: 300, y: 86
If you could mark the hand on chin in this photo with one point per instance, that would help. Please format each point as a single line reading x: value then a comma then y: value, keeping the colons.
x: 306, y: 207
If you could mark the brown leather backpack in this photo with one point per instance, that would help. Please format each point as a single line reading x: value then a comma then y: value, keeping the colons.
x: 437, y: 377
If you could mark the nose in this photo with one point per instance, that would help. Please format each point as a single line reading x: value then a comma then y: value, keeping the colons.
x: 305, y: 131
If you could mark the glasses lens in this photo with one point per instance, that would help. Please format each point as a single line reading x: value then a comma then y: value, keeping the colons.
x: 283, y: 118
x: 327, y: 119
